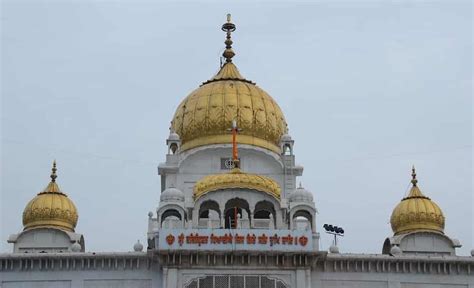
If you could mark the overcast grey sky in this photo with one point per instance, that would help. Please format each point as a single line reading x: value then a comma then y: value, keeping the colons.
x: 368, y: 89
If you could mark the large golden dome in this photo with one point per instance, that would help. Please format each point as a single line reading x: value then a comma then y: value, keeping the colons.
x: 205, y: 115
x: 51, y: 208
x: 417, y: 212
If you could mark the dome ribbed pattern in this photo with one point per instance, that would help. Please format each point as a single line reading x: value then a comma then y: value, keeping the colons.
x: 50, y: 208
x: 417, y: 212
x: 205, y: 116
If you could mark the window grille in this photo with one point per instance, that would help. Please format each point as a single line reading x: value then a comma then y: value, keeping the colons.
x: 265, y: 282
x: 221, y: 281
x: 206, y: 282
x: 236, y: 281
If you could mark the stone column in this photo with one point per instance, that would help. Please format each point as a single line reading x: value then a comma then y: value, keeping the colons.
x: 291, y: 220
x: 251, y: 219
x: 195, y: 220
x: 165, y: 276
x: 183, y: 220
x: 172, y: 279
x: 313, y: 224
x: 222, y: 217
x: 279, y: 220
x: 308, y: 277
x: 301, y: 278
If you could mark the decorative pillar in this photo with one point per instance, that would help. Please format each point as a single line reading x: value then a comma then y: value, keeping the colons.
x: 251, y: 219
x: 308, y: 278
x: 183, y: 220
x: 172, y: 279
x: 195, y: 219
x: 222, y: 217
x: 301, y: 278
x: 279, y: 219
x: 313, y: 224
x: 291, y: 220
x: 165, y: 276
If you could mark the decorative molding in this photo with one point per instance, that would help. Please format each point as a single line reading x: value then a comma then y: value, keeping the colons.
x: 74, y: 261
x: 317, y: 261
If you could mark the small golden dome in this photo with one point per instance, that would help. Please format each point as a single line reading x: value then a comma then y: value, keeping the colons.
x: 51, y: 208
x: 416, y: 212
x: 236, y: 179
x: 203, y: 117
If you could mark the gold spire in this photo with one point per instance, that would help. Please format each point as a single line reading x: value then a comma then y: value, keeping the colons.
x: 53, y: 172
x: 413, y: 176
x: 53, y: 187
x: 228, y: 27
x: 203, y: 116
x: 51, y: 208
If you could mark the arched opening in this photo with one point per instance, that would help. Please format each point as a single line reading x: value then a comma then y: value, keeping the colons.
x: 302, y: 220
x: 171, y: 218
x: 386, y: 246
x: 264, y: 215
x: 287, y: 149
x: 173, y: 147
x: 209, y: 214
x: 235, y: 210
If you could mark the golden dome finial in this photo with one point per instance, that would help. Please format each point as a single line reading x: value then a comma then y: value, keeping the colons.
x: 228, y: 27
x: 51, y: 208
x: 416, y: 212
x: 257, y: 113
x: 53, y: 172
x: 413, y: 176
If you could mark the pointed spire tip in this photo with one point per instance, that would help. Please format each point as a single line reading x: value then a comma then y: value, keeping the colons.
x: 414, y: 181
x: 53, y: 172
x: 228, y: 27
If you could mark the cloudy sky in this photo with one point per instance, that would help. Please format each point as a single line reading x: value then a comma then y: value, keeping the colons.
x: 368, y: 89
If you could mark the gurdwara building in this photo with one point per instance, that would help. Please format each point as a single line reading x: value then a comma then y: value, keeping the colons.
x: 231, y: 215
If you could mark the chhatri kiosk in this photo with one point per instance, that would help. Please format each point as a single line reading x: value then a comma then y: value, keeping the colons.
x: 231, y: 215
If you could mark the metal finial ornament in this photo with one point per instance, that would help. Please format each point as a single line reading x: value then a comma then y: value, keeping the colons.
x: 53, y: 173
x: 413, y: 176
x: 228, y: 27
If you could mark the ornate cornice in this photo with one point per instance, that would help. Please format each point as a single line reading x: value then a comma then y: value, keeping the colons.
x: 318, y: 261
x: 74, y: 261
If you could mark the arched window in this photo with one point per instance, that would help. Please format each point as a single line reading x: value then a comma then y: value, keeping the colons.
x: 302, y: 220
x: 264, y: 215
x: 170, y: 218
x: 209, y: 214
x: 173, y: 147
x: 234, y: 209
x: 386, y: 246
